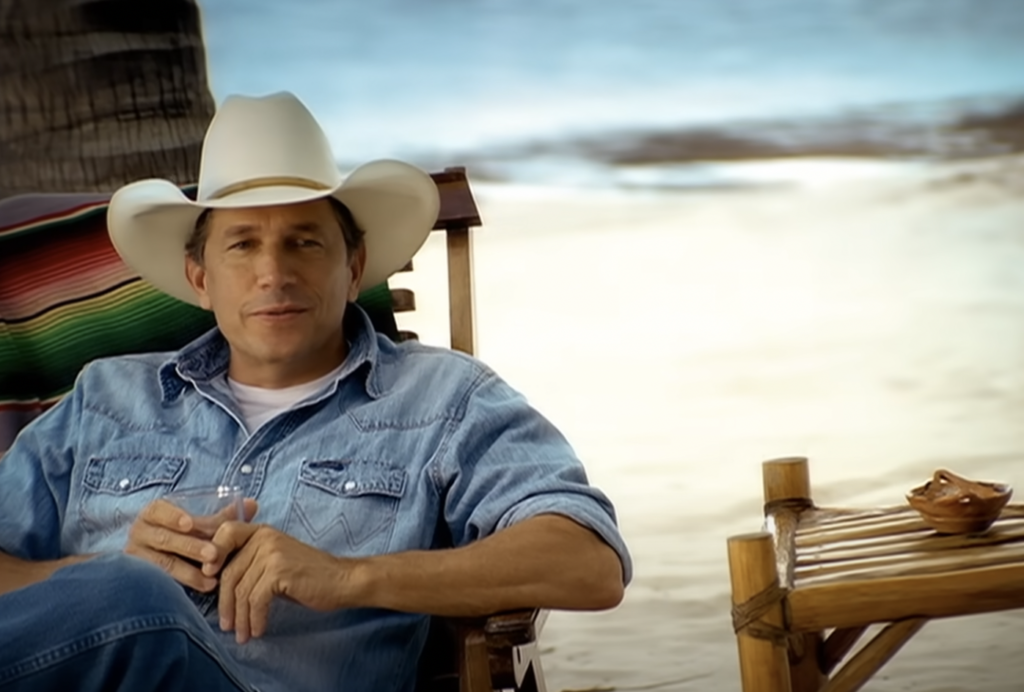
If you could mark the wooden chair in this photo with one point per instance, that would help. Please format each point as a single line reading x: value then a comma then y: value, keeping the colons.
x: 481, y: 654
x: 808, y: 587
x: 464, y: 655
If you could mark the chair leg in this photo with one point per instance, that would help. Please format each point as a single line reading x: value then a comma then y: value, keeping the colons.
x: 764, y: 661
x: 474, y: 665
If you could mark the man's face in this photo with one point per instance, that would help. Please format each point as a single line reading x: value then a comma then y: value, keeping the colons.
x: 277, y: 279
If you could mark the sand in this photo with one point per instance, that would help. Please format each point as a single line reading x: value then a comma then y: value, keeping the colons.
x: 872, y: 322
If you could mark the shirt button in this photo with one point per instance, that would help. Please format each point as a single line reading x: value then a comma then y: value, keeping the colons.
x: 124, y: 483
x: 349, y: 486
x: 246, y: 469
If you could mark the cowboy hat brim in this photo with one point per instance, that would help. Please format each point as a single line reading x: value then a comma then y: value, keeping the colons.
x: 395, y: 204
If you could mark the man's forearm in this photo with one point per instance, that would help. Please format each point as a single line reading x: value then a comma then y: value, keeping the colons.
x: 544, y: 562
x: 16, y: 573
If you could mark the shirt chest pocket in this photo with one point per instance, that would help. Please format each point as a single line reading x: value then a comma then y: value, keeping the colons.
x: 115, y: 489
x: 346, y: 507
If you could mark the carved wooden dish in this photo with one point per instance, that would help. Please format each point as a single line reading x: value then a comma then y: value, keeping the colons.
x: 949, y: 503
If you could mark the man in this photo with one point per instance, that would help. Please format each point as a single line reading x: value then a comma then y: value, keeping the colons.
x: 385, y: 482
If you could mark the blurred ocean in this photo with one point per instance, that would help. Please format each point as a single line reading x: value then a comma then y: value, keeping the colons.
x: 591, y: 91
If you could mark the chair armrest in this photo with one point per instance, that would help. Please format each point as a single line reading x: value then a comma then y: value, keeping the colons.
x: 526, y: 624
x: 483, y: 654
x: 512, y: 652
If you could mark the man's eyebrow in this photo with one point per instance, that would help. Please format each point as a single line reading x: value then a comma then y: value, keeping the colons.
x: 299, y: 226
x: 238, y: 229
x: 305, y: 226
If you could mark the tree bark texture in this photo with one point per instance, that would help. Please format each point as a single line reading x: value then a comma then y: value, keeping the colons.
x: 98, y: 93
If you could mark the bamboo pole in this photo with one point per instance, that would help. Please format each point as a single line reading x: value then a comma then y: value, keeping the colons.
x: 804, y: 671
x: 872, y: 657
x: 781, y: 524
x: 868, y: 575
x: 828, y: 516
x: 838, y: 645
x: 874, y: 545
x: 763, y: 664
x: 852, y: 603
x: 787, y: 494
x: 787, y: 478
x: 914, y: 563
x: 905, y: 530
x: 924, y: 545
x: 858, y: 532
x: 825, y: 521
x: 826, y: 543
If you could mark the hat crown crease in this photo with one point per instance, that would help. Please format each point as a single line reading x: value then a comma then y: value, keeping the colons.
x: 270, y: 181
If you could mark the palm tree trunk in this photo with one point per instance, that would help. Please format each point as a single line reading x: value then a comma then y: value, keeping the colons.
x: 97, y: 93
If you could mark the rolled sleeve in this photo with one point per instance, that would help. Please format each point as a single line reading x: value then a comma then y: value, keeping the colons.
x: 595, y: 514
x: 35, y: 481
x: 506, y: 463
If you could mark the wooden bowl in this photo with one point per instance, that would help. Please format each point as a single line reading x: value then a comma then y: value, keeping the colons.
x: 949, y: 503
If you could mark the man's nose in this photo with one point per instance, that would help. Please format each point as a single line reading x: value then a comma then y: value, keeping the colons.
x: 274, y: 268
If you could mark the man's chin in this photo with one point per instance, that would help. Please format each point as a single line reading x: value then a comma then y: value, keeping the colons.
x: 297, y: 348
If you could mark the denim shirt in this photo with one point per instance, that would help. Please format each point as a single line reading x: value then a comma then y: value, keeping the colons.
x: 410, y: 448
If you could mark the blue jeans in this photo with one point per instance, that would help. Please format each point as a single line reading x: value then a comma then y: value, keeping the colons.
x: 111, y: 623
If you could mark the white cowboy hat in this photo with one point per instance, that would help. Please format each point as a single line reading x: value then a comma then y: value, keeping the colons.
x: 265, y: 151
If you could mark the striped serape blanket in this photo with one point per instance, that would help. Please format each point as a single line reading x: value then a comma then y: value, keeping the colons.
x: 66, y: 298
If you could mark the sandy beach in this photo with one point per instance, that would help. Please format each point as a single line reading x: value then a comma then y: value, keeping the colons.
x: 868, y: 317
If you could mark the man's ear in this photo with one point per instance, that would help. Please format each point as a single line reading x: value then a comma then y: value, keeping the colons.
x: 356, y: 266
x: 196, y: 275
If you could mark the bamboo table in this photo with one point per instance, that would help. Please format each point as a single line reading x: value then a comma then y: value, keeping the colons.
x: 817, y: 570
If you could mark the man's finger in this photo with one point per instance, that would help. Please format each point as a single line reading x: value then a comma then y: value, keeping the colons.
x: 163, y: 513
x: 259, y: 605
x: 231, y: 536
x: 229, y: 579
x: 243, y: 592
x: 166, y: 540
x: 179, y: 570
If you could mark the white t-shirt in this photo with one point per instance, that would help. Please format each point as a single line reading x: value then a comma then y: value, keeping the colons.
x: 260, y: 405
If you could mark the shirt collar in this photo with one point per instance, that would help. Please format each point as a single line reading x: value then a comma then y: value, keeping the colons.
x: 206, y: 358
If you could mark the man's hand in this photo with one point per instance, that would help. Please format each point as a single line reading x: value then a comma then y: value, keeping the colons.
x: 269, y: 564
x: 168, y: 537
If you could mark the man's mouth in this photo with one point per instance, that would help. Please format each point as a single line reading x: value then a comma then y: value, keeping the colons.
x: 280, y: 311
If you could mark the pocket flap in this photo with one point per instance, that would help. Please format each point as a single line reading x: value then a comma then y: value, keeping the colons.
x: 353, y: 478
x: 124, y: 475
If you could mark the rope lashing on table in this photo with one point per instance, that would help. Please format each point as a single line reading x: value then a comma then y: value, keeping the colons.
x: 746, y: 617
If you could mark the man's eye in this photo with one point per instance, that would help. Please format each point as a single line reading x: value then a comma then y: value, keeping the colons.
x: 241, y: 245
x: 306, y: 242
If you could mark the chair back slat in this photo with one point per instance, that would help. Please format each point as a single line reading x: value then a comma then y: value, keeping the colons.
x: 458, y: 208
x: 458, y: 214
x: 402, y: 300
